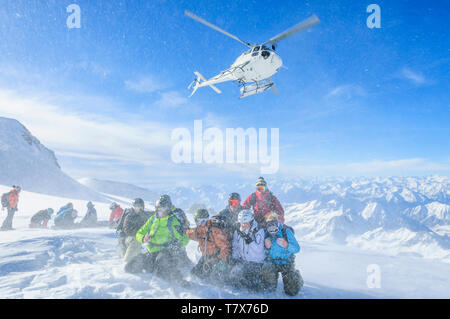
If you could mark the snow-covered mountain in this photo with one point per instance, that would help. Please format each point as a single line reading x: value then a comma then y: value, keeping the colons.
x: 395, y: 214
x: 26, y: 162
x: 119, y: 189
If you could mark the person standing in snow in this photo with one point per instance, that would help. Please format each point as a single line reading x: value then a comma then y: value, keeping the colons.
x: 281, y: 246
x: 248, y: 254
x: 41, y: 218
x: 11, y: 201
x: 90, y: 219
x: 116, y: 213
x: 263, y: 202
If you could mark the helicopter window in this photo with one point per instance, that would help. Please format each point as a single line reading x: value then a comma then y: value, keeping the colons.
x: 265, y: 54
x: 255, y: 53
x: 265, y: 48
x: 256, y: 49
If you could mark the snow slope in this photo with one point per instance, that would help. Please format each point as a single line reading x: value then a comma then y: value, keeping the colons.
x: 84, y: 263
x: 26, y: 162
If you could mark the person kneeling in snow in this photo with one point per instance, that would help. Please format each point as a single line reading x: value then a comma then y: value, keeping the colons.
x: 65, y: 217
x: 165, y: 240
x: 41, y: 218
x: 248, y: 254
x: 281, y: 246
x: 214, y: 245
x: 132, y: 220
x: 116, y: 214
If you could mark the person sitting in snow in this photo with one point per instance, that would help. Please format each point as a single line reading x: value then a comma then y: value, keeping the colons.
x: 116, y: 214
x: 281, y: 245
x: 90, y: 219
x: 248, y: 254
x: 65, y: 218
x: 165, y: 240
x: 215, y: 247
x: 41, y: 218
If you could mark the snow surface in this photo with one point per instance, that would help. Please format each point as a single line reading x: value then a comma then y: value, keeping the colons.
x: 84, y: 263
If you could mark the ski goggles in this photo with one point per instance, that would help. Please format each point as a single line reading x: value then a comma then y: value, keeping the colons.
x: 272, y: 228
x: 261, y: 188
x: 201, y: 221
x: 234, y: 202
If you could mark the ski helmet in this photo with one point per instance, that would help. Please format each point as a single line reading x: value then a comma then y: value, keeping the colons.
x: 234, y: 196
x: 17, y: 188
x: 69, y: 205
x: 113, y: 205
x: 163, y: 201
x: 50, y: 211
x: 245, y: 216
x: 138, y: 203
x: 90, y: 205
x: 201, y: 216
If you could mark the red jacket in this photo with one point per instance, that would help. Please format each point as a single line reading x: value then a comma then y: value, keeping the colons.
x: 13, y: 199
x: 263, y: 204
x: 116, y: 213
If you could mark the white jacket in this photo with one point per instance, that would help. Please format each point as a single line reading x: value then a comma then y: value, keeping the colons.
x: 253, y: 252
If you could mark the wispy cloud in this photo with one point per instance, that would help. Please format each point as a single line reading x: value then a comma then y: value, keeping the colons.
x: 346, y: 91
x: 171, y: 99
x: 86, y: 134
x: 413, y: 76
x: 146, y: 84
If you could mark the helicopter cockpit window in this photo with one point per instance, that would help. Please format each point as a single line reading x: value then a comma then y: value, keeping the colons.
x: 256, y: 49
x: 265, y: 48
x: 265, y: 54
x: 255, y: 53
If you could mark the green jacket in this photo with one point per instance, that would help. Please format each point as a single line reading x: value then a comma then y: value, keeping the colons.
x: 162, y: 232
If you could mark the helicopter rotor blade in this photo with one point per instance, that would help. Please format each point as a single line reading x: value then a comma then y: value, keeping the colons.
x: 201, y: 20
x: 313, y: 20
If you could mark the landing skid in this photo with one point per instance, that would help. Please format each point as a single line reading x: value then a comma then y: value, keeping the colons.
x: 256, y: 87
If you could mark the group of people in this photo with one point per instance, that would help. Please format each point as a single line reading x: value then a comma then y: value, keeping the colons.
x: 246, y: 245
x: 64, y: 219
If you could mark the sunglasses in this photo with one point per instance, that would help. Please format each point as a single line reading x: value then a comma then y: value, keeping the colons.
x: 260, y: 188
x: 234, y: 202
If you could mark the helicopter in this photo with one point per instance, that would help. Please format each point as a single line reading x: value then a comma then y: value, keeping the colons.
x: 253, y: 68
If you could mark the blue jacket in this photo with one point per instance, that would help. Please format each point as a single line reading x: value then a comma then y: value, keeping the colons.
x: 281, y: 255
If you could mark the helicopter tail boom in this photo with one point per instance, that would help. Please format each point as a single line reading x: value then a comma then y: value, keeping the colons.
x: 199, y: 82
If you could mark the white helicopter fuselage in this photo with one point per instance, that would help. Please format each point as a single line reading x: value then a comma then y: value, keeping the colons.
x: 256, y: 64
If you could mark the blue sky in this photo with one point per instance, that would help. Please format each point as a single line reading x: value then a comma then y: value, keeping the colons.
x: 353, y: 101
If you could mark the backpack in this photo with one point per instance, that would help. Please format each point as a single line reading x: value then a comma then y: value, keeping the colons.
x: 269, y: 199
x: 5, y: 200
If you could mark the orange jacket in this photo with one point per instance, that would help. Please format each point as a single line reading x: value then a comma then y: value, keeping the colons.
x: 217, y: 240
x: 13, y: 199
